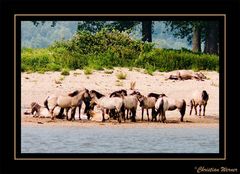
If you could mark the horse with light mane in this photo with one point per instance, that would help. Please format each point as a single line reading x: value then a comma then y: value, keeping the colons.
x: 164, y: 104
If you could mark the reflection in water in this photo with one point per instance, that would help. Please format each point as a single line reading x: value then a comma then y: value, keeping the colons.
x: 118, y: 140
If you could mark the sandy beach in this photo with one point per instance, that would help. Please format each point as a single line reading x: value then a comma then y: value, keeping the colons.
x: 36, y: 87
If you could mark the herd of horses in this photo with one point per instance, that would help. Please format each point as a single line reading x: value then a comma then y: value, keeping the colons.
x: 119, y: 104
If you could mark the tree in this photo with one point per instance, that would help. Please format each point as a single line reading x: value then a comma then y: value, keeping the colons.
x: 212, y: 38
x: 189, y: 29
x: 92, y: 26
x: 197, y: 32
x: 95, y: 26
x: 196, y: 39
x: 147, y: 31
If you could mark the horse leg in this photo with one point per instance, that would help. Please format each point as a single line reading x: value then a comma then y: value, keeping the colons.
x: 60, y: 114
x: 67, y: 109
x: 73, y: 111
x: 200, y: 108
x: 164, y: 116
x: 147, y: 114
x: 182, y: 110
x: 113, y: 113
x: 182, y: 115
x: 181, y: 118
x: 51, y: 111
x: 195, y: 108
x: 119, y: 116
x: 142, y: 113
x: 123, y: 113
x: 160, y: 117
x: 191, y: 104
x: 153, y: 114
x: 133, y: 119
x: 103, y: 119
x: 79, y: 109
x: 204, y: 107
x: 107, y: 111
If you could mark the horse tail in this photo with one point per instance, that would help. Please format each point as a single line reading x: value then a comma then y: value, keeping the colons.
x: 160, y: 109
x: 46, y: 103
x: 183, y: 108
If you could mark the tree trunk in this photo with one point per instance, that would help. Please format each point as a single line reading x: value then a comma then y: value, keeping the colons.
x: 206, y: 47
x: 211, y: 42
x: 147, y: 31
x: 196, y: 40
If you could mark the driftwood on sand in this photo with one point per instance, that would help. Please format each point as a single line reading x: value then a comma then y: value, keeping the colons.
x: 186, y: 75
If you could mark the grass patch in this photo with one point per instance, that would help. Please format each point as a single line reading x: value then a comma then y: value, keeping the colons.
x: 119, y: 83
x: 87, y: 71
x: 108, y: 71
x: 76, y: 73
x: 59, y: 81
x: 130, y: 68
x: 65, y: 72
x: 121, y: 75
x: 41, y: 71
x: 214, y: 84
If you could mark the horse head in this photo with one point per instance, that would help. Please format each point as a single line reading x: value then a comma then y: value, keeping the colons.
x: 205, y: 95
x: 35, y: 107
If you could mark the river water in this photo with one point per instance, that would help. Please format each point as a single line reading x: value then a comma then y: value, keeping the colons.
x: 118, y: 140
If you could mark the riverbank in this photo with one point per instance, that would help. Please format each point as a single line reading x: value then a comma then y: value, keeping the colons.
x: 36, y: 87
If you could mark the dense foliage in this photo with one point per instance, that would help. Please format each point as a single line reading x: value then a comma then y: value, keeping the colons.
x: 106, y: 49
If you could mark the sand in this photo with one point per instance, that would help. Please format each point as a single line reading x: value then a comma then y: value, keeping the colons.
x: 36, y: 87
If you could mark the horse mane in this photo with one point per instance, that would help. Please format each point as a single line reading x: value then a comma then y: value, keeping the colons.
x: 205, y: 95
x: 135, y: 92
x: 98, y: 94
x: 162, y: 95
x: 154, y: 95
x: 119, y: 93
x: 46, y: 103
x: 73, y: 93
x: 124, y: 92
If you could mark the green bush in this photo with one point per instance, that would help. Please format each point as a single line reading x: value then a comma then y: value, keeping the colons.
x: 108, y: 49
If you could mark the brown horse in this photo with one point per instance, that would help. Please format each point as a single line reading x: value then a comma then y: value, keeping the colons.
x: 199, y: 99
x: 71, y: 100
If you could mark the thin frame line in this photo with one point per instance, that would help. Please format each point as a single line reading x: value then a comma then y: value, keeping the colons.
x: 136, y: 15
x: 133, y: 15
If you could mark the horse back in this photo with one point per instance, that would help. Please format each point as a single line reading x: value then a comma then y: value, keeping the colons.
x: 130, y: 102
x: 64, y: 101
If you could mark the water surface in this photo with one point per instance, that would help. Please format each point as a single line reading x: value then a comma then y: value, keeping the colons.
x: 118, y: 140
